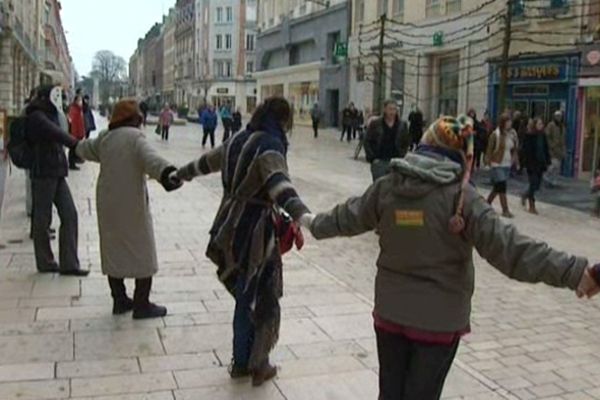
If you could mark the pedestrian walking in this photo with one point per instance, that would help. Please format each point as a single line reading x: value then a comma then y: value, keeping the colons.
x: 315, y: 116
x: 429, y: 219
x: 416, y: 125
x: 144, y: 108
x: 236, y: 121
x: 88, y: 117
x: 49, y: 185
x: 209, y: 121
x: 76, y: 128
x: 245, y: 239
x: 127, y: 245
x: 557, y: 141
x: 501, y: 155
x: 165, y: 120
x: 226, y: 120
x: 536, y: 157
x: 348, y: 122
x: 387, y: 138
x: 480, y: 138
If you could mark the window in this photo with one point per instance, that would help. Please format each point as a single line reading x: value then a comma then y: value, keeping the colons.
x: 397, y: 76
x: 219, y: 69
x: 453, y: 6
x: 433, y: 8
x: 229, y: 14
x: 228, y: 41
x: 382, y: 7
x: 518, y: 8
x: 219, y: 42
x: 398, y: 10
x: 249, y: 67
x: 219, y: 14
x: 359, y: 13
x: 250, y: 42
x: 228, y: 69
x: 558, y: 3
x: 449, y: 80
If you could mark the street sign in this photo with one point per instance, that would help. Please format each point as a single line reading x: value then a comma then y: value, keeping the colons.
x: 341, y: 50
x: 438, y: 38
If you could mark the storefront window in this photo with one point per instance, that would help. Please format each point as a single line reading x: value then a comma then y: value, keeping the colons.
x: 591, y: 133
x: 302, y: 96
x: 449, y: 78
x: 272, y: 90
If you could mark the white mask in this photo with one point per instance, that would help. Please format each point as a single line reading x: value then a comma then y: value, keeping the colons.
x: 56, y: 98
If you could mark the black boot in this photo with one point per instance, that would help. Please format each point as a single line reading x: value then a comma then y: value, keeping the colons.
x: 121, y: 303
x: 142, y: 308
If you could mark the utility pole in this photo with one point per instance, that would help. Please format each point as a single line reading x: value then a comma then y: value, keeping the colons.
x: 381, y: 67
x: 502, y: 91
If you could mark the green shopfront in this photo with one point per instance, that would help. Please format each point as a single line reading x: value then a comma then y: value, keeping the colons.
x: 539, y: 86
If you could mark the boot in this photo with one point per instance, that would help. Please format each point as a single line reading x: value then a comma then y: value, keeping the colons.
x: 263, y: 374
x: 532, y: 209
x: 142, y: 308
x: 121, y: 303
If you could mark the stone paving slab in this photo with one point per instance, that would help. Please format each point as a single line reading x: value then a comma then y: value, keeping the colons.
x: 58, y: 339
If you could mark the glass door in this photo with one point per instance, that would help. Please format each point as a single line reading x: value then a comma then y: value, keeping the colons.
x: 591, y: 133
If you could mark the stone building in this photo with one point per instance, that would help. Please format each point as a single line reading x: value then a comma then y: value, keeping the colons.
x: 185, y: 40
x: 168, y: 70
x: 296, y: 55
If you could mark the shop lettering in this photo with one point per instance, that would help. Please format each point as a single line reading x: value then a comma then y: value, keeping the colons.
x: 538, y: 72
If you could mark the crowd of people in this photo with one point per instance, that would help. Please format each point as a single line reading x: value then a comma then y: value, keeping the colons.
x: 422, y: 205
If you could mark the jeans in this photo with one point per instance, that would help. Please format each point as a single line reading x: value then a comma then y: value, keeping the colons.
x: 410, y: 370
x: 227, y: 126
x: 208, y: 133
x: 48, y: 191
x: 348, y: 131
x: 535, y: 181
x: 165, y: 133
x: 243, y: 327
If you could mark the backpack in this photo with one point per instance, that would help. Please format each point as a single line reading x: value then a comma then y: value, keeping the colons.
x: 20, y: 151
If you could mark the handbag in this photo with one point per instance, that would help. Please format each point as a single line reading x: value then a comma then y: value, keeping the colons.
x: 288, y: 232
x: 157, y: 130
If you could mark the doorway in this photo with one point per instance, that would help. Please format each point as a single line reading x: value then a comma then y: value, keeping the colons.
x: 590, y: 156
x: 334, y: 107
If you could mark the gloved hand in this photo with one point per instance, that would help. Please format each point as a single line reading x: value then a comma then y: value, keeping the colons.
x: 306, y: 220
x: 169, y: 179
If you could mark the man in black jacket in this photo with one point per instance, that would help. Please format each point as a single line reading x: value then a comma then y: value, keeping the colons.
x: 387, y: 138
x: 49, y: 186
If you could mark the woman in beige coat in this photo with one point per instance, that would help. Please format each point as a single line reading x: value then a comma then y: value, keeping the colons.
x: 127, y: 244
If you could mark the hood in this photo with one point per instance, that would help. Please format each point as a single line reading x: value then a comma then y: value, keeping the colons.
x: 418, y: 174
x: 40, y: 105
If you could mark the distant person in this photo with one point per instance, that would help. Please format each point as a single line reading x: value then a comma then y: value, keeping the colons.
x: 88, y: 117
x: 348, y: 122
x: 536, y: 157
x: 236, y: 121
x: 165, y: 121
x: 49, y: 184
x: 76, y: 128
x: 144, y: 110
x: 209, y: 121
x: 557, y: 141
x: 479, y: 139
x: 387, y: 138
x: 226, y: 120
x: 127, y: 245
x: 501, y: 156
x: 416, y: 125
x: 315, y: 116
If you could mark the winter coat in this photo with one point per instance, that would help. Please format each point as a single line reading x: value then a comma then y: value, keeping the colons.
x: 88, y: 116
x: 237, y: 122
x: 557, y: 140
x: 415, y: 118
x: 315, y: 114
x: 43, y: 131
x: 77, y: 123
x: 225, y: 113
x: 208, y: 119
x: 127, y: 245
x: 374, y: 139
x: 166, y: 118
x: 349, y: 116
x: 536, y: 159
x: 425, y: 274
x: 497, y: 144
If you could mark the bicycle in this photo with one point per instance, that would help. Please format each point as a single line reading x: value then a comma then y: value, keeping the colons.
x: 361, y: 144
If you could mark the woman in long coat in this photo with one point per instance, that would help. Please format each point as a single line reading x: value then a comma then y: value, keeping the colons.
x: 127, y: 245
x: 76, y: 127
x: 244, y: 241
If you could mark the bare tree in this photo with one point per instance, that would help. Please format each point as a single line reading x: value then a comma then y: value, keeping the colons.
x: 111, y: 72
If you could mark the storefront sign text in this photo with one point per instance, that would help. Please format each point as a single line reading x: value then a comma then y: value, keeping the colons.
x: 535, y: 72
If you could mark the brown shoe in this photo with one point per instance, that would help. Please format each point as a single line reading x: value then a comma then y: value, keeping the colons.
x: 263, y: 374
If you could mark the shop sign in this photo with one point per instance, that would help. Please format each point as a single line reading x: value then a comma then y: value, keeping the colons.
x: 341, y: 50
x: 222, y: 90
x: 538, y: 71
x: 438, y: 38
x: 590, y: 60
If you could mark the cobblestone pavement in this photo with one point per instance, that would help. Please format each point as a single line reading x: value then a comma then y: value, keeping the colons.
x: 59, y: 341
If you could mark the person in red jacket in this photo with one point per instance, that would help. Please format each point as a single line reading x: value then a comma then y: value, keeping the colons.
x: 76, y: 127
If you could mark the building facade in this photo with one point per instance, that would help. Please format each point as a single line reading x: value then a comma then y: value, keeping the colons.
x: 168, y: 78
x: 185, y: 45
x: 296, y: 56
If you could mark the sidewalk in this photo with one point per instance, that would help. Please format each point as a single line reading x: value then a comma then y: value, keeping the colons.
x: 59, y: 341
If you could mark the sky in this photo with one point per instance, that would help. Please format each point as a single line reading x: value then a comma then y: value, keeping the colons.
x: 116, y: 25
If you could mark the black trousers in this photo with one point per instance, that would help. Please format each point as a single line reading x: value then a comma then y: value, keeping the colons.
x: 315, y: 125
x: 410, y: 370
x: 165, y: 133
x: 535, y: 182
x: 209, y: 133
x: 47, y: 192
x: 227, y: 126
x: 348, y: 131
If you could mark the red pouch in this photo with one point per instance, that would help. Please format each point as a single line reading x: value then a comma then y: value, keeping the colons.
x: 289, y: 233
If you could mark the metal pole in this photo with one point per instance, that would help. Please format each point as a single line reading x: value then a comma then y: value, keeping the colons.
x: 505, y: 55
x: 381, y: 67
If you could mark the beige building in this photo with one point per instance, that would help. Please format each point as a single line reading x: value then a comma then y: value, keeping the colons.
x: 169, y: 57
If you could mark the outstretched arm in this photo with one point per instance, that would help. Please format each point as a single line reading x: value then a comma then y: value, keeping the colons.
x: 205, y: 165
x: 354, y: 217
x: 89, y: 149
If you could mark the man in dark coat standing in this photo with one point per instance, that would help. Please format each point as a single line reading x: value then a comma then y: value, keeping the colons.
x: 387, y: 138
x: 415, y: 119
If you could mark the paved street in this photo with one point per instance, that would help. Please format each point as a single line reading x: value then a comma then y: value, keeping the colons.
x: 59, y: 341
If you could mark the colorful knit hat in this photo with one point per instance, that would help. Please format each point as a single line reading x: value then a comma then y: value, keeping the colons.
x: 455, y: 134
